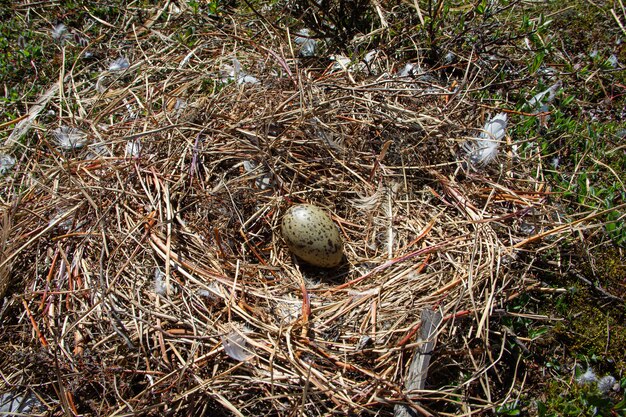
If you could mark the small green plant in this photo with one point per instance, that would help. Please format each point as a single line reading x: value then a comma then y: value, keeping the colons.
x: 579, y: 160
x: 213, y: 8
x: 509, y: 409
x: 583, y: 398
x: 188, y: 37
x: 194, y: 5
x: 21, y: 51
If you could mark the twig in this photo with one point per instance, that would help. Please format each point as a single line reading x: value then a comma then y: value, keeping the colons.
x: 596, y: 287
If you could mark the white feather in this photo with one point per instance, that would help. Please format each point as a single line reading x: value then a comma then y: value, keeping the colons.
x: 69, y: 138
x: 606, y: 383
x: 550, y: 92
x: 308, y: 46
x: 370, y: 56
x: 484, y: 149
x: 368, y: 202
x: 159, y: 282
x: 59, y: 32
x: 6, y: 163
x: 235, y: 346
x: 235, y: 73
x: 342, y: 62
x: 495, y: 128
x: 409, y: 70
x: 133, y: 148
x: 119, y: 64
x: 586, y: 378
x: 13, y: 404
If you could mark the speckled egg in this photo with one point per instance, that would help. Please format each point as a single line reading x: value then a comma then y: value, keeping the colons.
x: 312, y: 236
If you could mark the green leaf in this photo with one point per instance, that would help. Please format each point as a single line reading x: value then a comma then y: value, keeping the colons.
x: 537, y: 62
x: 481, y: 7
x: 541, y: 409
x: 535, y: 333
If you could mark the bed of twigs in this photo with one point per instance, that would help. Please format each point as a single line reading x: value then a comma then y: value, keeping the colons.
x: 144, y: 270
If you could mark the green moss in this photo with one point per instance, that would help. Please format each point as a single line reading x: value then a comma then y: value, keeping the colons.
x: 593, y: 329
x: 610, y: 270
x: 563, y: 399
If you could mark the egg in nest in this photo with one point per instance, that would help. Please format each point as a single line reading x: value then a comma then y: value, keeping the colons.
x: 312, y: 236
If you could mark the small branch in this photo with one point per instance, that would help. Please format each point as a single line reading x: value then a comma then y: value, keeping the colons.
x: 597, y: 288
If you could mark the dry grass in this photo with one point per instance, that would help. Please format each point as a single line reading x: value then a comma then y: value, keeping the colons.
x: 129, y: 274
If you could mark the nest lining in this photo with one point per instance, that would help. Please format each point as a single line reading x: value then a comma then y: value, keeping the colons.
x: 130, y: 275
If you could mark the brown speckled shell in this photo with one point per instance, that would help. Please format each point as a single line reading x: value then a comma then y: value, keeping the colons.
x: 312, y: 236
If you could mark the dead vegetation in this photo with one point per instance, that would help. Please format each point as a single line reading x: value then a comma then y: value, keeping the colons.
x: 145, y: 270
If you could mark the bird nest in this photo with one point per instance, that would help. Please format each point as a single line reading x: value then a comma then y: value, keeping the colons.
x: 143, y: 266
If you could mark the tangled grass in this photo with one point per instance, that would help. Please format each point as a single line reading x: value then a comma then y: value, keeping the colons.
x: 143, y: 266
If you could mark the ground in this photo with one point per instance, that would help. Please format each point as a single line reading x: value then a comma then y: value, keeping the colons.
x: 150, y: 150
